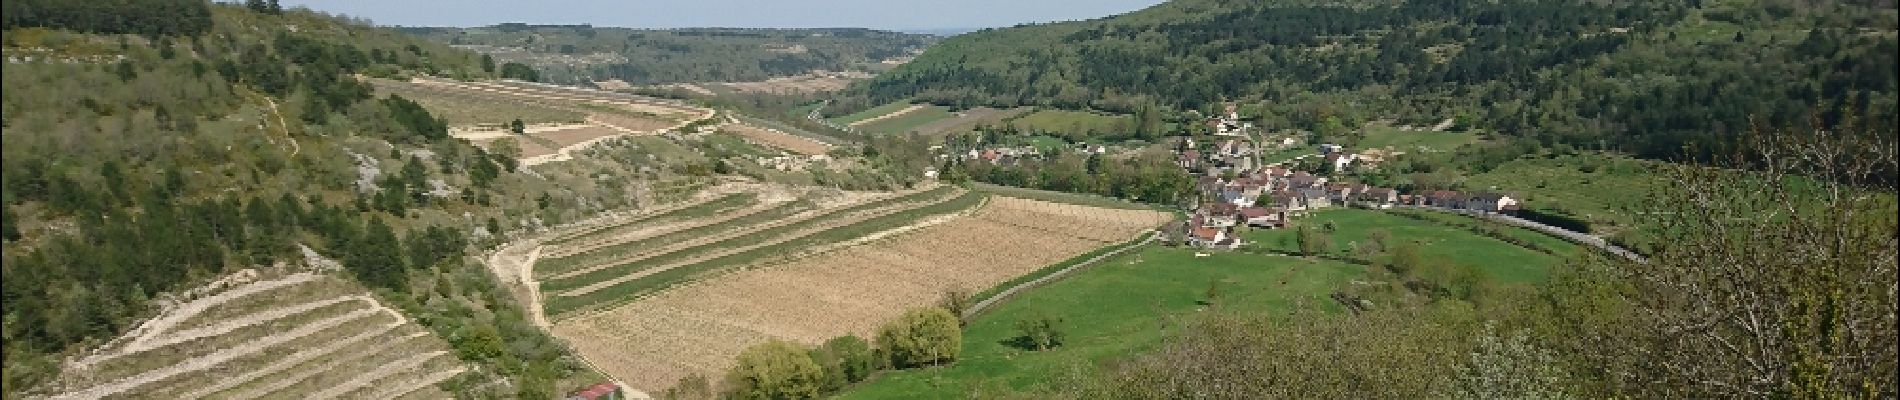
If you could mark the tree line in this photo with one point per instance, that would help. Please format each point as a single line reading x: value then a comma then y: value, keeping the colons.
x: 1584, y: 74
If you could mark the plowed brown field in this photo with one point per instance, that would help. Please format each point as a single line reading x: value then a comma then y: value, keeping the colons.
x: 652, y: 342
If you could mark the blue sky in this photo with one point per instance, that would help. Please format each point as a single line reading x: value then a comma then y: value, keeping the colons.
x: 881, y: 14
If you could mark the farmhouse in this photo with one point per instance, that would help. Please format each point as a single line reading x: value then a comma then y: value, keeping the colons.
x: 1490, y: 202
x: 1263, y: 217
x: 1206, y: 236
x: 1444, y: 198
x: 1378, y: 198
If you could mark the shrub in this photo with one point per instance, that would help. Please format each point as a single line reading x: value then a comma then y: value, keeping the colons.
x: 927, y: 336
x: 957, y: 301
x: 1039, y: 332
x: 775, y: 370
x: 855, y: 357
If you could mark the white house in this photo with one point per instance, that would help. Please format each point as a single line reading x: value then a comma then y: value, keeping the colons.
x: 1206, y: 237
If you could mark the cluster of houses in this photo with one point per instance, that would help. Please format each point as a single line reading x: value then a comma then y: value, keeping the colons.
x: 1270, y: 197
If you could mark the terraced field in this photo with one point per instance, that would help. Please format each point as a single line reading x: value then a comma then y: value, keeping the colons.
x: 820, y: 274
x: 480, y: 111
x: 304, y: 335
x: 729, y: 244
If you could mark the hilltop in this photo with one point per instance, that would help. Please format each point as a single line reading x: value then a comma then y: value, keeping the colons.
x: 578, y: 54
x: 1641, y: 77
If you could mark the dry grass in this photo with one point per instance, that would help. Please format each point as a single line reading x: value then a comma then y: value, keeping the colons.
x: 573, y: 136
x: 652, y: 342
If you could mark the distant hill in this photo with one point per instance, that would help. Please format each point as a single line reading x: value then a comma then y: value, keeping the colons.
x: 576, y: 53
x: 1641, y: 76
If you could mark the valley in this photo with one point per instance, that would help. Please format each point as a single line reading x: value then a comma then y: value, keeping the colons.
x: 1176, y: 199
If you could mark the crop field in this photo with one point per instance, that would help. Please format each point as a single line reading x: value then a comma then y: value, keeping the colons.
x: 1060, y: 197
x: 581, y: 100
x: 907, y: 122
x: 775, y: 138
x: 563, y: 138
x: 304, y: 334
x: 886, y: 110
x: 480, y: 111
x: 816, y: 82
x: 463, y: 108
x: 968, y: 120
x: 605, y: 284
x: 847, y: 279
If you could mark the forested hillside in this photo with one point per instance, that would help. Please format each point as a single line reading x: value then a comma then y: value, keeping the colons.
x: 151, y: 147
x: 1644, y: 77
x: 575, y: 53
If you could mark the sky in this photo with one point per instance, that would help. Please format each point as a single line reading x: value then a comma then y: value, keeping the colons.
x: 878, y: 14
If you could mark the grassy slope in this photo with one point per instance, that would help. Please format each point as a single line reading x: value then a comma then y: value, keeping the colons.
x: 1381, y: 136
x: 1605, y: 190
x: 1116, y: 309
x: 1071, y: 121
x: 1126, y: 305
x: 911, y: 120
x: 1501, y: 260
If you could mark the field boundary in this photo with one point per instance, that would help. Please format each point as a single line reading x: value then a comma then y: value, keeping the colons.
x: 1080, y: 199
x: 1045, y: 276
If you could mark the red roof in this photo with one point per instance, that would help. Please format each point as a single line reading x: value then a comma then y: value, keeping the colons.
x: 596, y: 391
x: 1255, y: 212
x: 1205, y: 233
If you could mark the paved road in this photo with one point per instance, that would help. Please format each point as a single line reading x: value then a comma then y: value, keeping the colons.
x: 1566, y: 234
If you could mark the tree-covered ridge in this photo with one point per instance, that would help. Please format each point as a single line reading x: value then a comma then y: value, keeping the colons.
x: 1641, y: 76
x: 139, y: 165
x: 139, y: 17
x: 575, y: 53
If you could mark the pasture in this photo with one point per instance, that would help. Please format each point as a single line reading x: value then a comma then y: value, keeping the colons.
x: 1125, y: 305
x: 1130, y: 303
x: 907, y: 122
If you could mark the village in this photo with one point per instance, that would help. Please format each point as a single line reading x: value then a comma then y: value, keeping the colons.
x: 1238, y: 191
